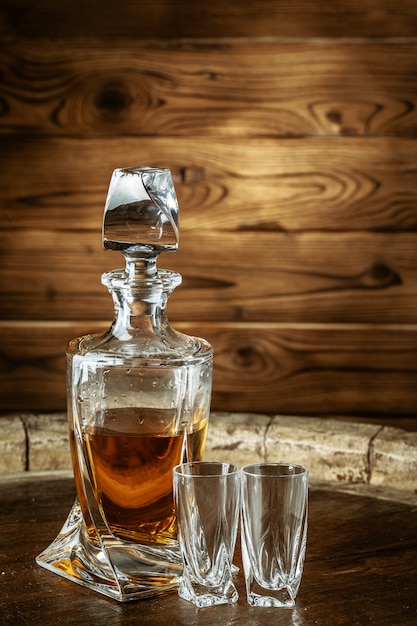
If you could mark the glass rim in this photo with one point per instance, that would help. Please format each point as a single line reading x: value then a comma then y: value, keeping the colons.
x: 255, y: 470
x: 220, y: 465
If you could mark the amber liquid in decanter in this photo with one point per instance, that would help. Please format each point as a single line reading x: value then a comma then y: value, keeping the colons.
x: 133, y: 473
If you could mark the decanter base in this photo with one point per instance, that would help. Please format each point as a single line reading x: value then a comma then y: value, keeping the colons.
x: 120, y: 570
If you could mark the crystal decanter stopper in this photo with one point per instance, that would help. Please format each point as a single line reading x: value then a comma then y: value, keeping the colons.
x: 138, y: 404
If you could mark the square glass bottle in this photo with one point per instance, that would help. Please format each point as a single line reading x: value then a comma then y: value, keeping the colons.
x: 138, y: 401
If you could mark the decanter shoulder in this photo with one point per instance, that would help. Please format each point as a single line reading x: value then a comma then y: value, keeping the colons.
x: 172, y: 348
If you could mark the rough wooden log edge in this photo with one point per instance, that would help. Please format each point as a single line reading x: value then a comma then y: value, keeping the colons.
x: 348, y: 455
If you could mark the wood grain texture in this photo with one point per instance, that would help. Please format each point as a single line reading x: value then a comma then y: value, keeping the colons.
x: 227, y: 276
x: 256, y: 184
x: 285, y: 368
x: 240, y: 89
x: 207, y: 19
x: 357, y: 570
x: 290, y: 129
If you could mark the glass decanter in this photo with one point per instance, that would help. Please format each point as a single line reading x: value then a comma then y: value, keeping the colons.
x: 138, y: 401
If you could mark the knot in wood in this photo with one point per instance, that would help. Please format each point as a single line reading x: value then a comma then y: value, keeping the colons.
x: 190, y: 174
x: 380, y: 275
x: 113, y: 99
x: 246, y: 356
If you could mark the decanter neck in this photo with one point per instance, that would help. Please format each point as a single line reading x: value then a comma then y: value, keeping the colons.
x: 141, y: 268
x: 140, y: 294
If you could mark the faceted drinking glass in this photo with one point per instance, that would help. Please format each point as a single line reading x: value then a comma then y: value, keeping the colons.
x: 274, y: 531
x: 206, y: 496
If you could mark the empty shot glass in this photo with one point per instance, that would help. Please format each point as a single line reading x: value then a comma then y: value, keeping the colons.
x: 206, y: 496
x: 274, y: 506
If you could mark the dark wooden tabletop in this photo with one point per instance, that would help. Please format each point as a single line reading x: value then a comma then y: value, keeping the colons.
x: 361, y: 567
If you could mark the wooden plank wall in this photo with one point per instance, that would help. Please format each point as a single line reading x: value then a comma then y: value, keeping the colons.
x: 290, y: 129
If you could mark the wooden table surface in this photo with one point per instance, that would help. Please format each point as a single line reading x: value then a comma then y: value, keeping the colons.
x: 361, y: 566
